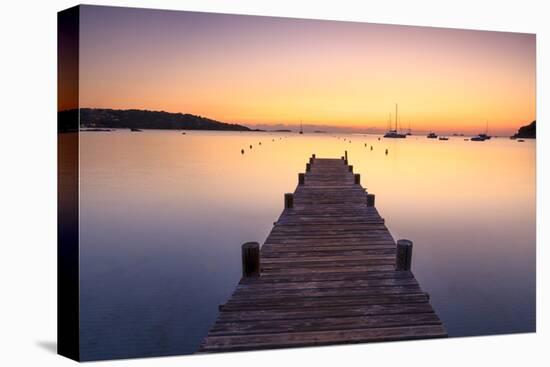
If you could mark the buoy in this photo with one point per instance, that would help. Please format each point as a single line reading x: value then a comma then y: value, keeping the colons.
x: 378, y: 138
x: 260, y: 143
x: 365, y: 144
x: 242, y: 151
x: 371, y: 147
x: 386, y: 152
x: 251, y: 147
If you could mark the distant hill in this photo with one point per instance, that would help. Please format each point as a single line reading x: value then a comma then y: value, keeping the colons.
x: 527, y: 132
x: 142, y: 119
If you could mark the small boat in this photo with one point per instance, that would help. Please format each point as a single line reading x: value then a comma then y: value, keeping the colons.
x: 483, y: 136
x: 393, y: 134
x: 135, y: 129
x: 443, y: 138
x: 520, y: 140
x: 183, y: 133
x: 432, y: 136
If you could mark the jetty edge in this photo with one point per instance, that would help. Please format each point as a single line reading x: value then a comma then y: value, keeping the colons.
x: 328, y: 273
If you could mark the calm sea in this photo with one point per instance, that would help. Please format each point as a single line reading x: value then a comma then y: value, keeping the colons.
x: 163, y: 216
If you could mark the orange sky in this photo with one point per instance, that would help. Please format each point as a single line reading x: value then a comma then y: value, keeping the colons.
x: 273, y: 70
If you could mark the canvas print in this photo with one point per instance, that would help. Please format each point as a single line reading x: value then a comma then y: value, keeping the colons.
x: 235, y: 183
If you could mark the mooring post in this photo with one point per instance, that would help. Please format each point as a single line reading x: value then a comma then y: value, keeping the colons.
x: 346, y: 154
x: 308, y: 167
x: 342, y: 157
x: 370, y: 199
x: 289, y: 201
x: 357, y: 177
x: 350, y: 167
x: 301, y: 178
x: 251, y: 259
x: 311, y: 160
x: 403, y: 257
x: 313, y: 156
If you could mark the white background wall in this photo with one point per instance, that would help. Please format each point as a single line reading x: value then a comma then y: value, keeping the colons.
x: 28, y: 182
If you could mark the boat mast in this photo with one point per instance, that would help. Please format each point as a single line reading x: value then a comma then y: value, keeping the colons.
x: 396, y: 117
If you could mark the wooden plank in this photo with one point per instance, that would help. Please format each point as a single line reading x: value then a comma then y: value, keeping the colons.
x: 324, y: 324
x: 302, y: 339
x: 322, y: 312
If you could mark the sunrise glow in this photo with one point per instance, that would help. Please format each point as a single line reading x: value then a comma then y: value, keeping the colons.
x: 264, y: 70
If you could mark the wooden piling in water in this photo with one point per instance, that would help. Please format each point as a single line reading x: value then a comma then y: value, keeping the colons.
x: 370, y: 200
x: 357, y: 178
x: 251, y: 259
x: 403, y: 258
x: 350, y: 168
x: 289, y: 200
x: 301, y: 178
x: 308, y: 167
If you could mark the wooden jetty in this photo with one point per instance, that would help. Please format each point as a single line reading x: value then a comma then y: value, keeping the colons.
x: 328, y: 273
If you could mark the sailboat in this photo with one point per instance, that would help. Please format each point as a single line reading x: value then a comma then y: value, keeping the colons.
x: 393, y: 133
x: 409, y: 132
x: 486, y: 136
x: 483, y: 136
x: 301, y: 128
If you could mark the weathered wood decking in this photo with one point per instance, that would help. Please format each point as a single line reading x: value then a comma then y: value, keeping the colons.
x: 328, y: 276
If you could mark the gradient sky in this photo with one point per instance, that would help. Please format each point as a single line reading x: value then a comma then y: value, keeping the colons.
x: 265, y: 70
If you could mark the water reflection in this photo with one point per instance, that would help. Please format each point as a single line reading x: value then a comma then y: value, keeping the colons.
x: 163, y: 216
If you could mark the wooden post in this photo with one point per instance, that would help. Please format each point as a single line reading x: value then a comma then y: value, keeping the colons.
x: 342, y: 157
x: 346, y: 154
x: 251, y: 259
x: 311, y: 160
x: 301, y: 178
x: 357, y: 177
x: 403, y: 258
x: 350, y: 167
x: 289, y: 201
x: 308, y: 167
x: 313, y: 156
x: 370, y: 199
